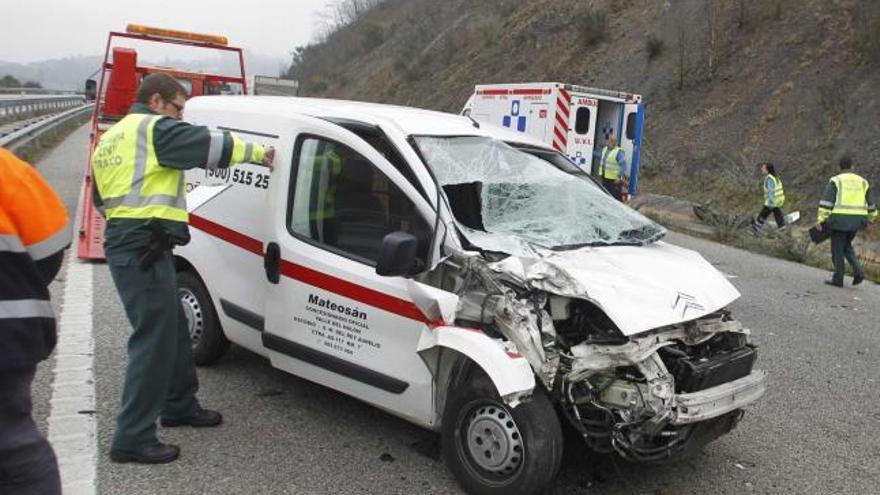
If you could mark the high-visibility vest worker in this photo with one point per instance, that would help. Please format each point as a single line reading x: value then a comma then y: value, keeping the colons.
x: 34, y: 232
x: 774, y: 194
x: 611, y: 167
x: 138, y: 173
x: 328, y: 166
x: 848, y: 203
x: 132, y: 183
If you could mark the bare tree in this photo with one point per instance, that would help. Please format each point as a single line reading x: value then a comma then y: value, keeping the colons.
x: 682, y: 51
x: 712, y: 25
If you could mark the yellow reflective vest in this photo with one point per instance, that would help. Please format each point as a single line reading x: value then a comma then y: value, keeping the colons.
x: 851, y: 199
x: 129, y: 178
x: 778, y: 193
x: 610, y: 165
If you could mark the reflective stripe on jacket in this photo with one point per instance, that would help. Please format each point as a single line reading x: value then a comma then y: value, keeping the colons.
x: 774, y: 194
x: 33, y: 229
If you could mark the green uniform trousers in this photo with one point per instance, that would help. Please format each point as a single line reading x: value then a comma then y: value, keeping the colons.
x: 161, y: 377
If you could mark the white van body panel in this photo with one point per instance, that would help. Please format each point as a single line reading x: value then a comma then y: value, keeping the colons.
x: 508, y: 370
x: 639, y: 288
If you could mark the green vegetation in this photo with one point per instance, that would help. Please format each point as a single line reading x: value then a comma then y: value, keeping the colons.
x: 8, y: 81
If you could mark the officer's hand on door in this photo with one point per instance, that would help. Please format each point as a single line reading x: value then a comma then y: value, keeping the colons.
x: 269, y: 157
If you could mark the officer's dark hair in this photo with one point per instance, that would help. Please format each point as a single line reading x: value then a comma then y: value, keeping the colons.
x: 845, y: 163
x: 770, y: 169
x: 167, y: 87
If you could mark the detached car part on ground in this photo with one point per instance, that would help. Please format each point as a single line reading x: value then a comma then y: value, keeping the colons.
x: 535, y: 292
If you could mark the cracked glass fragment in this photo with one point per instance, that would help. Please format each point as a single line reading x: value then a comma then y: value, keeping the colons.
x: 509, y: 201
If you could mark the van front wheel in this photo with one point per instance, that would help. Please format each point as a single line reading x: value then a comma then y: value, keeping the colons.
x: 493, y: 449
x: 208, y: 341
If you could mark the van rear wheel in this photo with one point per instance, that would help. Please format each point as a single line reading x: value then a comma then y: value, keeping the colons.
x: 493, y: 449
x: 208, y: 341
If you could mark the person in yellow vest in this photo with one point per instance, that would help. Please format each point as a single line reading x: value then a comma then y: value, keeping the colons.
x: 847, y: 207
x: 774, y: 198
x: 34, y: 232
x: 612, y: 167
x: 139, y: 187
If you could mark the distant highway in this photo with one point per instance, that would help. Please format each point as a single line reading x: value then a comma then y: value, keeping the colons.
x: 816, y: 431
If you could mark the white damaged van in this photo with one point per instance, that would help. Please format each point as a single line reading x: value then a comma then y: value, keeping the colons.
x: 467, y: 278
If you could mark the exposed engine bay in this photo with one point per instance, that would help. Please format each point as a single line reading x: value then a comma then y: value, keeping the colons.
x: 650, y: 397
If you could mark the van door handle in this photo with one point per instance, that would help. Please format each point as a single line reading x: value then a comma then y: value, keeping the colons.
x: 272, y: 262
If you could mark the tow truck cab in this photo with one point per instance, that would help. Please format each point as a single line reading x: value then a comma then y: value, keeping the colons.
x: 434, y: 268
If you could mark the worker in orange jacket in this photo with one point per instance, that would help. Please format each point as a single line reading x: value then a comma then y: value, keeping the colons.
x: 34, y: 233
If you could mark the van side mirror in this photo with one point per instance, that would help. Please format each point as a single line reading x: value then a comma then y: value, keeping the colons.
x: 398, y: 256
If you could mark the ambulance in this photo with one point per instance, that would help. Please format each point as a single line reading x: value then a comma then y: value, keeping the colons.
x: 465, y: 277
x: 574, y: 120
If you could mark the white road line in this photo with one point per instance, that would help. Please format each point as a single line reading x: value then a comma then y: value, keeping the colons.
x: 72, y: 425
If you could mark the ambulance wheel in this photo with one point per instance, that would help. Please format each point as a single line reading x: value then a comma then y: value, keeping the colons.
x: 493, y: 449
x: 208, y: 341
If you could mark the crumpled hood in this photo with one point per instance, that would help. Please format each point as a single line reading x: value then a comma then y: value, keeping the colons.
x: 639, y: 287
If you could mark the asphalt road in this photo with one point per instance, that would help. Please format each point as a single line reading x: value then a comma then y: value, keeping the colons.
x: 816, y: 431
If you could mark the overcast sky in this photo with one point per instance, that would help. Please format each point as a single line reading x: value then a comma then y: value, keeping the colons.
x: 34, y: 30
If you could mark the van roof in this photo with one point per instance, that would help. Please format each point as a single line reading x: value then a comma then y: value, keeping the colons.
x: 412, y: 121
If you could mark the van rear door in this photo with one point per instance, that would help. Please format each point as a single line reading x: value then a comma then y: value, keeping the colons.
x: 329, y: 317
x: 631, y: 141
x: 584, y: 115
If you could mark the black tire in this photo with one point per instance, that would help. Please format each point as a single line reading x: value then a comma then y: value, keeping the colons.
x: 526, y: 442
x: 208, y: 341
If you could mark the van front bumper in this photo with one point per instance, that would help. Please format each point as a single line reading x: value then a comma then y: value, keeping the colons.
x: 719, y: 400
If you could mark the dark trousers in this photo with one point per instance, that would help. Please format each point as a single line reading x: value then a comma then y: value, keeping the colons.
x: 841, y: 248
x: 160, y: 378
x: 777, y: 215
x: 612, y: 187
x: 27, y: 462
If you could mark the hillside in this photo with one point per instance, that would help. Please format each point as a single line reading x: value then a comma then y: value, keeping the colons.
x: 727, y: 82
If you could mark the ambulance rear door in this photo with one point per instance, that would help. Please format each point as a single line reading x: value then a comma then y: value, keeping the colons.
x: 631, y: 140
x: 582, y: 131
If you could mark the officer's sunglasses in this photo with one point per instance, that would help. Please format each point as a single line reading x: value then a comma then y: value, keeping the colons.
x: 178, y: 107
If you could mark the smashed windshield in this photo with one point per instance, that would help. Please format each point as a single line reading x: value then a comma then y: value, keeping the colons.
x: 510, y: 201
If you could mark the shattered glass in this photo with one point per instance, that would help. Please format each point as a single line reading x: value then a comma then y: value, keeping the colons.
x: 527, y: 206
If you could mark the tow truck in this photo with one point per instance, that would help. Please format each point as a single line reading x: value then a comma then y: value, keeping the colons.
x: 119, y: 77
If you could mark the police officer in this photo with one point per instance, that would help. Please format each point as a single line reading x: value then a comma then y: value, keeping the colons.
x: 139, y: 187
x: 612, y: 167
x: 34, y: 233
x: 774, y: 198
x: 846, y: 207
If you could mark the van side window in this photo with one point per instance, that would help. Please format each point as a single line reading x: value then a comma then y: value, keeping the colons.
x: 582, y: 121
x: 631, y: 126
x: 342, y: 201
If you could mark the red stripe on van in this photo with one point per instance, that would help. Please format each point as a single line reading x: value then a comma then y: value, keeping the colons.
x: 558, y: 146
x: 563, y: 107
x: 359, y: 293
x: 493, y: 92
x: 565, y: 95
x: 237, y: 238
x: 560, y: 136
x: 528, y: 91
x: 560, y: 120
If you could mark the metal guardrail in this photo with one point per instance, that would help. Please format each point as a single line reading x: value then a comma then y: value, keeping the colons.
x: 18, y: 105
x: 27, y: 134
x: 37, y: 91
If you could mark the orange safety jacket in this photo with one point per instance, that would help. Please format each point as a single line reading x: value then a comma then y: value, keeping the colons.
x: 34, y: 232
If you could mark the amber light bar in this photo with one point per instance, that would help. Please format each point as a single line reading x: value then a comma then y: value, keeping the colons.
x: 177, y: 35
